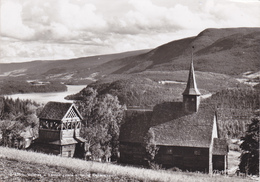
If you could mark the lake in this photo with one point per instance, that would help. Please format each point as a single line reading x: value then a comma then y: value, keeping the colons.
x: 50, y: 96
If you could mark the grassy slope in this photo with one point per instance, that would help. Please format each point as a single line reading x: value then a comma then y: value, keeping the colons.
x: 23, y: 165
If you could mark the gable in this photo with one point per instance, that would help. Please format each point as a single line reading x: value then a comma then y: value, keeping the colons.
x: 220, y: 146
x: 215, y: 128
x: 72, y: 113
x: 59, y: 110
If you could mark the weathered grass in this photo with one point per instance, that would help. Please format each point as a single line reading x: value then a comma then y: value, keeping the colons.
x: 110, y: 169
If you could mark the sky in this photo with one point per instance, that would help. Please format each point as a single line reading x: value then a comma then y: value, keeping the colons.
x: 63, y: 29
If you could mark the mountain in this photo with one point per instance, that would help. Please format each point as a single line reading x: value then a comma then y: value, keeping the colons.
x: 230, y: 51
x: 71, y: 69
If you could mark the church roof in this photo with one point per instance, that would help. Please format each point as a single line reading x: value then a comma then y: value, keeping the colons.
x: 171, y: 126
x: 136, y: 126
x: 191, y: 88
x: 57, y: 110
x: 194, y: 130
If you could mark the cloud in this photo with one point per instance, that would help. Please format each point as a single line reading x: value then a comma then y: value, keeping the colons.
x: 12, y: 24
x: 61, y: 19
x: 74, y: 28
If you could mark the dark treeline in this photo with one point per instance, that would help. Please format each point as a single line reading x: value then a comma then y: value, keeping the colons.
x: 235, y: 108
x: 136, y: 91
x: 22, y: 86
x: 16, y: 118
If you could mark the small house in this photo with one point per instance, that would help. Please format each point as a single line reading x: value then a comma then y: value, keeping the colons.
x: 59, y: 130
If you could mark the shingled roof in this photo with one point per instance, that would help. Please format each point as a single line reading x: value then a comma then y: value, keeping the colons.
x: 194, y: 130
x: 136, y: 126
x: 171, y: 126
x: 56, y: 110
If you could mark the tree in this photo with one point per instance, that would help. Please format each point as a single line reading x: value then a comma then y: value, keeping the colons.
x: 151, y: 148
x: 103, y: 117
x: 11, y: 131
x: 249, y: 159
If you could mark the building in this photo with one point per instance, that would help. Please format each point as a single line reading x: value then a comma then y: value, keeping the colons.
x: 59, y: 131
x: 186, y: 134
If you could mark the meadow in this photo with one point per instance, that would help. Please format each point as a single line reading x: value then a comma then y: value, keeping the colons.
x: 21, y: 165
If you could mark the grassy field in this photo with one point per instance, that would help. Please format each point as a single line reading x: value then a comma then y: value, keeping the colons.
x: 17, y: 165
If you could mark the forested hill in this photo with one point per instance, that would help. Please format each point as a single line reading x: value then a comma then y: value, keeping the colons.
x: 149, y: 88
x: 229, y: 51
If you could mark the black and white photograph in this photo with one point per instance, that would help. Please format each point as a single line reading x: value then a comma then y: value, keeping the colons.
x: 129, y: 90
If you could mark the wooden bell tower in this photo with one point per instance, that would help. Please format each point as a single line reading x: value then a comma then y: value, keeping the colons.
x: 59, y: 130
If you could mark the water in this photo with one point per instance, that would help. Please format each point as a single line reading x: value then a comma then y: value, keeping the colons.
x: 50, y: 96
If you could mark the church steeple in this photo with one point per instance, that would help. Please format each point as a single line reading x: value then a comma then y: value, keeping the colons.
x: 191, y: 95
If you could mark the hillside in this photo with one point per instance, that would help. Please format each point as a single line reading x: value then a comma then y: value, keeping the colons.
x: 74, y: 70
x: 231, y: 51
x: 152, y: 87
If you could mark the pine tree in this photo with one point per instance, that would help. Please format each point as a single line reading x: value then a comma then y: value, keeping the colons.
x: 249, y: 159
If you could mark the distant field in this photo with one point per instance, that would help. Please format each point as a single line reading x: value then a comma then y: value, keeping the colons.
x: 29, y: 166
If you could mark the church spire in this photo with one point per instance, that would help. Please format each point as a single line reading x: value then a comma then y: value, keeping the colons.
x: 191, y: 88
x: 191, y: 95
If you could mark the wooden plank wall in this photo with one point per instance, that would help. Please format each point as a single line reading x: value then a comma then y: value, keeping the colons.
x: 49, y: 135
x: 68, y: 150
x: 185, y: 158
x: 131, y: 153
x: 218, y: 162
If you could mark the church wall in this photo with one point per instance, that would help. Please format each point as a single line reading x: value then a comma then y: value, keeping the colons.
x: 185, y: 158
x: 132, y: 153
x: 218, y: 162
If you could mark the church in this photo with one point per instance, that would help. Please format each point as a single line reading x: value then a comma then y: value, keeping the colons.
x: 186, y: 134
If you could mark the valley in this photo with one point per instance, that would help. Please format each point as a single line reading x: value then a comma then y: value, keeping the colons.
x: 226, y: 64
x: 231, y: 51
